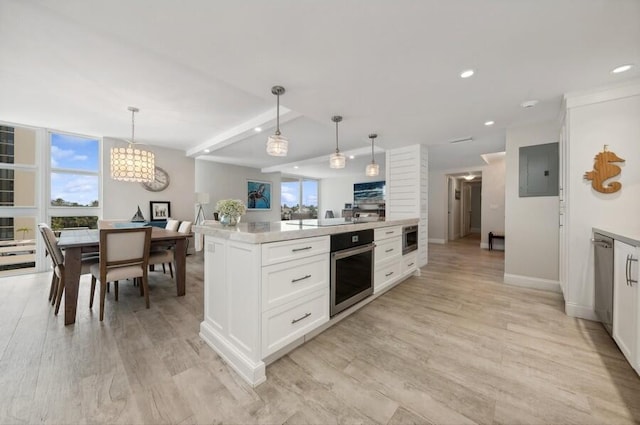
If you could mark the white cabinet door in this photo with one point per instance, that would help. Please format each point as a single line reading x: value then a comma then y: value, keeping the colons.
x: 625, y: 300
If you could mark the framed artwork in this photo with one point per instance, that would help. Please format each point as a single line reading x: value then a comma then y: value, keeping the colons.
x: 160, y: 210
x: 258, y: 195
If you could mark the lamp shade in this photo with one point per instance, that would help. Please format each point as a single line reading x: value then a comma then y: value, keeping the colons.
x: 132, y: 164
x: 373, y: 169
x: 337, y: 160
x: 202, y: 198
x: 277, y: 145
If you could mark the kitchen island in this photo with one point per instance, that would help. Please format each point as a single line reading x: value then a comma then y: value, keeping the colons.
x: 267, y: 285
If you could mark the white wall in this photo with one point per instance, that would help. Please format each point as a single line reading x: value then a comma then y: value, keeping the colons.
x: 493, y: 194
x: 337, y: 191
x: 121, y: 199
x: 608, y: 117
x: 224, y: 181
x: 438, y: 207
x: 531, y: 223
x: 454, y: 216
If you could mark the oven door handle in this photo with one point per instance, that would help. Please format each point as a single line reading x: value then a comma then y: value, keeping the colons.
x: 351, y: 251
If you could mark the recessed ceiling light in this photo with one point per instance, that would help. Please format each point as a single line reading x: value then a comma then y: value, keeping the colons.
x: 467, y: 73
x: 207, y: 150
x: 488, y: 123
x: 621, y: 68
x: 352, y: 156
x: 257, y: 129
x: 529, y: 103
x: 296, y: 167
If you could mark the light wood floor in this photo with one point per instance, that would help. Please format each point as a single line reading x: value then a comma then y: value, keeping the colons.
x: 454, y: 346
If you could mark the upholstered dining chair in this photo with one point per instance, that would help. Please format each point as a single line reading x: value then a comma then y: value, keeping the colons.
x: 57, y: 258
x: 124, y: 254
x: 166, y: 256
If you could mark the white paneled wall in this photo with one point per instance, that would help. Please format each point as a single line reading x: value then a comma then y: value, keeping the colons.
x: 406, y: 197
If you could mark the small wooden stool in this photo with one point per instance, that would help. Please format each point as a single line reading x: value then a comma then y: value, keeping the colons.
x: 493, y: 236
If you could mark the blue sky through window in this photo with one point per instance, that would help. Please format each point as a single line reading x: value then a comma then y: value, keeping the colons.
x: 290, y: 193
x: 74, y: 153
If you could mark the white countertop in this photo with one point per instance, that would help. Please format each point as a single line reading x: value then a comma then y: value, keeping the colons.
x: 262, y: 232
x: 631, y: 238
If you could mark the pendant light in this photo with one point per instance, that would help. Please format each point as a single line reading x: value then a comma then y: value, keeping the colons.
x: 373, y: 169
x: 131, y: 164
x: 276, y: 144
x: 337, y: 159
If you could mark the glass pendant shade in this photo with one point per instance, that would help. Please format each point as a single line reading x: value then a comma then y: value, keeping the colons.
x: 132, y: 164
x: 373, y: 169
x: 337, y: 160
x: 277, y: 145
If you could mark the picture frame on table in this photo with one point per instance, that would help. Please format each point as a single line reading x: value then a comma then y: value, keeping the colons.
x: 160, y: 210
x: 258, y: 195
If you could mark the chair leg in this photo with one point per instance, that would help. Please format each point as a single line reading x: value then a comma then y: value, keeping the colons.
x: 164, y: 271
x: 142, y: 289
x: 115, y: 288
x: 52, y: 288
x: 93, y: 291
x: 103, y: 295
x: 170, y: 270
x: 55, y: 281
x: 60, y: 292
x: 145, y: 284
x: 108, y: 286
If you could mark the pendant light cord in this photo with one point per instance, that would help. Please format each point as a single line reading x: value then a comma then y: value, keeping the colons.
x: 278, y: 114
x: 133, y: 126
x: 337, y: 150
x: 373, y: 160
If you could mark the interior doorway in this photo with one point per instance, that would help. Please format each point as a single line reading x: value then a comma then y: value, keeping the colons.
x: 464, y: 205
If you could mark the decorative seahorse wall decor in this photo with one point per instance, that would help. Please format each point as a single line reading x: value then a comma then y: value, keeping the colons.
x: 603, y: 169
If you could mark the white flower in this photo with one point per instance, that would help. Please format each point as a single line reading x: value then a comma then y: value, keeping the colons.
x: 231, y: 207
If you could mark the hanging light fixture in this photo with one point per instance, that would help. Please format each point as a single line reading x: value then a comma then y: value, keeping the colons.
x: 276, y: 144
x: 337, y: 159
x: 131, y: 164
x: 373, y: 169
x: 469, y: 177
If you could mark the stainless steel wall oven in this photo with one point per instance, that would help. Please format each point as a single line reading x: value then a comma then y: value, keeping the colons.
x: 352, y: 256
x: 409, y: 239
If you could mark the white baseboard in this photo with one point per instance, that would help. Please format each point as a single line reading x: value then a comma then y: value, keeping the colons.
x: 580, y: 311
x: 440, y: 241
x: 252, y: 372
x: 532, y: 282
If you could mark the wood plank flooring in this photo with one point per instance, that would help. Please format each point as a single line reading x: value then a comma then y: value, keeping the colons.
x: 454, y: 346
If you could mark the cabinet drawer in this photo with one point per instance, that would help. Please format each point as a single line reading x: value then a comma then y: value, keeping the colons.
x: 277, y: 252
x: 409, y: 262
x: 386, y: 232
x: 287, y: 281
x: 286, y: 323
x: 386, y: 275
x: 388, y: 248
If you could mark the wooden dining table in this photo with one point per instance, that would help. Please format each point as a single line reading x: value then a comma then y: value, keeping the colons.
x: 76, y: 242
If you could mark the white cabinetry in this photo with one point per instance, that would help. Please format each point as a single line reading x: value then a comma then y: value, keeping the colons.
x: 388, y: 257
x: 626, y: 302
x: 295, y: 290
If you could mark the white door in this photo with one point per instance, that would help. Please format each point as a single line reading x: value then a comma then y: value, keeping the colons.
x: 625, y: 299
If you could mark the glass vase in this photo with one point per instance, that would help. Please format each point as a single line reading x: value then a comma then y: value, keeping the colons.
x: 229, y: 220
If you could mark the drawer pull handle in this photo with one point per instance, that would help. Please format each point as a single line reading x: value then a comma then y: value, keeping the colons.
x: 389, y: 250
x: 411, y: 264
x: 294, y: 321
x: 630, y: 281
x: 301, y: 249
x: 388, y: 274
x: 300, y: 278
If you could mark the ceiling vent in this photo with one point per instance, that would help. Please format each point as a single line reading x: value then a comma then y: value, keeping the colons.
x: 466, y: 139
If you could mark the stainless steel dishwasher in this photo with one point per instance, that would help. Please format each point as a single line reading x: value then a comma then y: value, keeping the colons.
x: 603, y: 277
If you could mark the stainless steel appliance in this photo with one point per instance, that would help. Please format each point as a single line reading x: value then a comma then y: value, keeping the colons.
x: 603, y: 261
x: 351, y: 268
x: 409, y: 239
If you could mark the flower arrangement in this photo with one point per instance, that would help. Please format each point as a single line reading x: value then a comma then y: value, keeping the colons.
x: 231, y: 207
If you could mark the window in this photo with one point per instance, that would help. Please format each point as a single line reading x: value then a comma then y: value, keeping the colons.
x: 75, y: 171
x: 17, y: 244
x: 298, y: 198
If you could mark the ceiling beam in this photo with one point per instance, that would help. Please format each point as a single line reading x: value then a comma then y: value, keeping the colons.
x: 266, y: 120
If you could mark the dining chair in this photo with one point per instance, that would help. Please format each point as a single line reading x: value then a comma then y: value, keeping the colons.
x: 124, y: 254
x: 57, y: 258
x: 167, y: 256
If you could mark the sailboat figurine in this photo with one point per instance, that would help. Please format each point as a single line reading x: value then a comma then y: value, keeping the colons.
x: 138, y: 217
